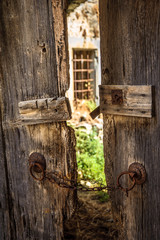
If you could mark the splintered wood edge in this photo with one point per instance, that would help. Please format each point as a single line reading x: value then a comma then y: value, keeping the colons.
x: 44, y: 110
x: 137, y: 100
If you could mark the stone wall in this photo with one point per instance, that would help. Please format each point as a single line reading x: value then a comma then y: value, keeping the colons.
x: 84, y: 20
x: 83, y: 33
x: 72, y: 4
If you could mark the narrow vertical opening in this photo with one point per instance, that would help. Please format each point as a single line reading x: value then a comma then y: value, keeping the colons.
x: 91, y: 220
x: 85, y: 76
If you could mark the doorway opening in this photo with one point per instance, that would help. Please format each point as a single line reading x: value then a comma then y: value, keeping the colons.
x: 85, y: 76
x: 93, y: 219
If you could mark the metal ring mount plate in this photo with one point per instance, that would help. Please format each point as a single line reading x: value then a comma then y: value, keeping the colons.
x: 140, y: 176
x: 37, y: 158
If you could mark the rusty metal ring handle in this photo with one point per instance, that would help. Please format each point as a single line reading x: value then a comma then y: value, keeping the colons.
x: 40, y: 167
x: 132, y: 186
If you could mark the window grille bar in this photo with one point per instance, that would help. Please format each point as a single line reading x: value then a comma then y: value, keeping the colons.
x: 85, y: 90
x: 84, y: 80
x: 82, y: 72
x: 81, y: 75
x: 88, y: 76
x: 84, y: 60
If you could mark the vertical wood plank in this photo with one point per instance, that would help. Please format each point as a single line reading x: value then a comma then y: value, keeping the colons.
x: 61, y: 44
x: 129, y: 56
x: 28, y: 71
x: 4, y: 193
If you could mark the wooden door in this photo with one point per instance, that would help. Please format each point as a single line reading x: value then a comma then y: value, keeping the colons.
x: 33, y: 65
x: 130, y: 48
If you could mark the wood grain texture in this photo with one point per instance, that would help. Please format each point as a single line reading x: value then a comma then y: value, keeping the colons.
x: 47, y: 109
x: 130, y: 36
x: 136, y: 100
x: 61, y: 44
x: 28, y: 70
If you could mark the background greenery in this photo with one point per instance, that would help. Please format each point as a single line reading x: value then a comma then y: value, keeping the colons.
x: 90, y: 159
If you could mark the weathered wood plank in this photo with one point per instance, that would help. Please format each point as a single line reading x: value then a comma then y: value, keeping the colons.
x: 130, y: 36
x: 59, y: 9
x: 5, y: 203
x: 28, y: 70
x: 136, y: 100
x: 47, y: 109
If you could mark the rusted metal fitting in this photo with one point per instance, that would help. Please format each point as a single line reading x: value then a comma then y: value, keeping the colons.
x: 140, y: 172
x: 131, y: 187
x: 137, y: 174
x: 37, y: 166
x: 117, y: 97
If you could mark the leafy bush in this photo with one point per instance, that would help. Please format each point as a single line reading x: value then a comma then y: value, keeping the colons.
x: 90, y: 104
x: 90, y: 157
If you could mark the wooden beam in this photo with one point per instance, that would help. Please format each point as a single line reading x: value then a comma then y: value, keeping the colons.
x: 126, y: 100
x: 45, y: 110
x: 95, y: 112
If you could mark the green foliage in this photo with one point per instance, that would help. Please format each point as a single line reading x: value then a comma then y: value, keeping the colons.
x: 91, y: 105
x: 103, y: 196
x: 90, y: 157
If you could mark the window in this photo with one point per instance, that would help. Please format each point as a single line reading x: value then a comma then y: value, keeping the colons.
x: 83, y: 74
